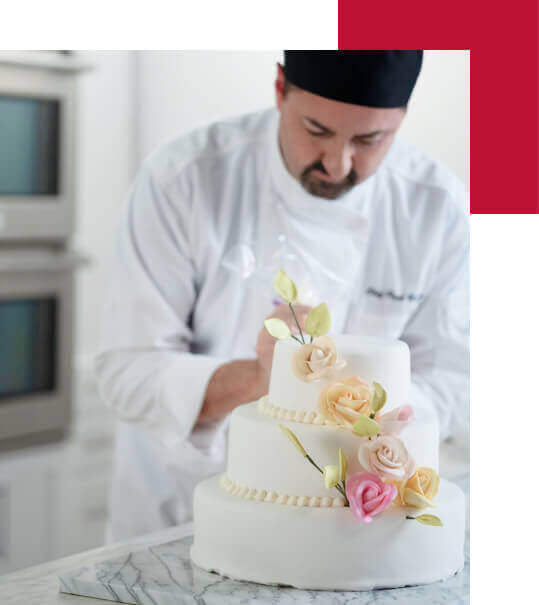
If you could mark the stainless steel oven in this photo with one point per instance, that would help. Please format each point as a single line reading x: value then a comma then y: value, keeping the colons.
x: 36, y: 344
x: 37, y: 146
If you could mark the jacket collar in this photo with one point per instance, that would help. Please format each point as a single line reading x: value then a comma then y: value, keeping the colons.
x: 350, y: 212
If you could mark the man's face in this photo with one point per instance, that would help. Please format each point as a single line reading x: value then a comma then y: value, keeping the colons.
x: 329, y: 146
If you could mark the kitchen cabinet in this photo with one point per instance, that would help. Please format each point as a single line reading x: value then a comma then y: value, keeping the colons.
x: 25, y: 510
x: 54, y: 498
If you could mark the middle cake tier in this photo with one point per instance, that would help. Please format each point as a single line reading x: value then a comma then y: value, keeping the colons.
x: 263, y: 464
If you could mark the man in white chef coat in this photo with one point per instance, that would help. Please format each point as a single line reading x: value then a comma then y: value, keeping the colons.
x: 319, y: 186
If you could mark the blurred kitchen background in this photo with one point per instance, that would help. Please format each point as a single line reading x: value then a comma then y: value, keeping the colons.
x: 74, y: 128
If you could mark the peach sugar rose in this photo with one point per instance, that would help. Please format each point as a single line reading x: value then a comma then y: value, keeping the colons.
x: 343, y: 402
x: 316, y: 360
x: 420, y: 488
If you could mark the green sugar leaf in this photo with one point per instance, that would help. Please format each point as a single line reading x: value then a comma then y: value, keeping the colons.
x: 428, y: 520
x: 378, y: 397
x: 285, y: 287
x: 318, y: 322
x: 277, y: 328
x: 366, y: 427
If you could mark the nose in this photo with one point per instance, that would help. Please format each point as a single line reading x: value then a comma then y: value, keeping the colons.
x: 338, y: 161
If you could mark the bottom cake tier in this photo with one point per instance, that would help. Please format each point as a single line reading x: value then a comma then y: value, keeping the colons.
x: 325, y: 548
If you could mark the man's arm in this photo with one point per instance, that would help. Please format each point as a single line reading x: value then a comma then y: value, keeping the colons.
x: 242, y: 381
x: 144, y: 368
x: 232, y: 384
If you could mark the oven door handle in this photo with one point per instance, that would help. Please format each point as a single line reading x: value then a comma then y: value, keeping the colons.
x: 39, y: 259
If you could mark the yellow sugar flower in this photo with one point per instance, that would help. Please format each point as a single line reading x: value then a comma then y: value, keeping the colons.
x: 331, y: 476
x: 420, y: 488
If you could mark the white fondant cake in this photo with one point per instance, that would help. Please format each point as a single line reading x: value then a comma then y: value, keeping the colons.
x: 325, y: 548
x: 271, y: 519
x: 383, y: 360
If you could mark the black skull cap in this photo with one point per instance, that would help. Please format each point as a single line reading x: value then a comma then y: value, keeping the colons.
x: 375, y: 78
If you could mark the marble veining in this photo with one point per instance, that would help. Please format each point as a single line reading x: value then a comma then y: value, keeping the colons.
x: 164, y: 575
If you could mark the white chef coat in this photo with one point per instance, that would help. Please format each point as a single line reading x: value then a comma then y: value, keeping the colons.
x: 210, y: 218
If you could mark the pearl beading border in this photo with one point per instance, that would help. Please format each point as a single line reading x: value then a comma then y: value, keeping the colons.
x: 273, y: 411
x: 262, y: 495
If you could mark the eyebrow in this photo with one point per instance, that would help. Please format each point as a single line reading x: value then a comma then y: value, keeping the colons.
x: 325, y: 129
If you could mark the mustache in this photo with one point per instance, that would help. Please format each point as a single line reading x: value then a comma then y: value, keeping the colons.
x: 350, y: 178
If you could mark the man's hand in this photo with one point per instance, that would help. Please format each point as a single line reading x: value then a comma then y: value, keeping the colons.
x: 245, y: 380
x: 266, y: 343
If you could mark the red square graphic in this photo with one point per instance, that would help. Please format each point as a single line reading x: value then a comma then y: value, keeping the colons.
x: 504, y: 66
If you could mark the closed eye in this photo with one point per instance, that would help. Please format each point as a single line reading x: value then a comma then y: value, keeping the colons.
x: 366, y: 141
x: 369, y: 141
x: 317, y: 133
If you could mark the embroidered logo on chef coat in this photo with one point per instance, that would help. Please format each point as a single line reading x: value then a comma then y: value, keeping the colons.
x: 389, y: 294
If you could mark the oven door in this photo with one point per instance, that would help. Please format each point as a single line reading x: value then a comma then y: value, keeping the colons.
x: 36, y: 345
x: 37, y: 116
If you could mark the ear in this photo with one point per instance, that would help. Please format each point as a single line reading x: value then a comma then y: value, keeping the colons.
x: 279, y: 86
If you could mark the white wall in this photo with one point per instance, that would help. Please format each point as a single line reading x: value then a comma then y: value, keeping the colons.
x: 438, y: 119
x: 104, y: 166
x: 133, y: 101
x: 182, y: 90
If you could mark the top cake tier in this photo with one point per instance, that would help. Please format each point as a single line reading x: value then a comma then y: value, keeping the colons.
x: 385, y: 361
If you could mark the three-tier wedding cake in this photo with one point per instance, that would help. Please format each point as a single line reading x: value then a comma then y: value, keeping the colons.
x: 332, y: 478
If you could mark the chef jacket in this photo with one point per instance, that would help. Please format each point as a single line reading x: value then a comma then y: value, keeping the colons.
x: 209, y: 220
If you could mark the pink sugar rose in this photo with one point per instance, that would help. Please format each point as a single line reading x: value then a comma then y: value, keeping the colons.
x: 368, y: 495
x: 393, y: 422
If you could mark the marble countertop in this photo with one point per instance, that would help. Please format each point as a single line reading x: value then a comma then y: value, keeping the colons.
x: 39, y: 585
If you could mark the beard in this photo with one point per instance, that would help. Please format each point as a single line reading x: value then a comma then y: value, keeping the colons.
x: 320, y: 188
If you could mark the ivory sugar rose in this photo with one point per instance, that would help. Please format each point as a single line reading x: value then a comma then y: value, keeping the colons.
x: 386, y: 456
x: 316, y: 360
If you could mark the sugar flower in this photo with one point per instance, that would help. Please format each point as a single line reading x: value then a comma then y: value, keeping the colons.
x: 368, y: 495
x: 420, y: 488
x: 343, y: 402
x: 395, y: 421
x: 316, y: 360
x: 386, y: 456
x: 331, y: 476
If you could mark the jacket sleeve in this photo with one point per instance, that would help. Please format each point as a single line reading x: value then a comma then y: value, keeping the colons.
x: 144, y: 368
x: 438, y: 335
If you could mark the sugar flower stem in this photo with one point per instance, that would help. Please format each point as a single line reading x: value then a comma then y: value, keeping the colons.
x: 346, y: 502
x: 297, y: 322
x: 339, y: 487
x: 314, y: 464
x: 296, y: 338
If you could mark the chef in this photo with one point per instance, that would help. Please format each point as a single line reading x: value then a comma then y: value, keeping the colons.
x: 320, y: 186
